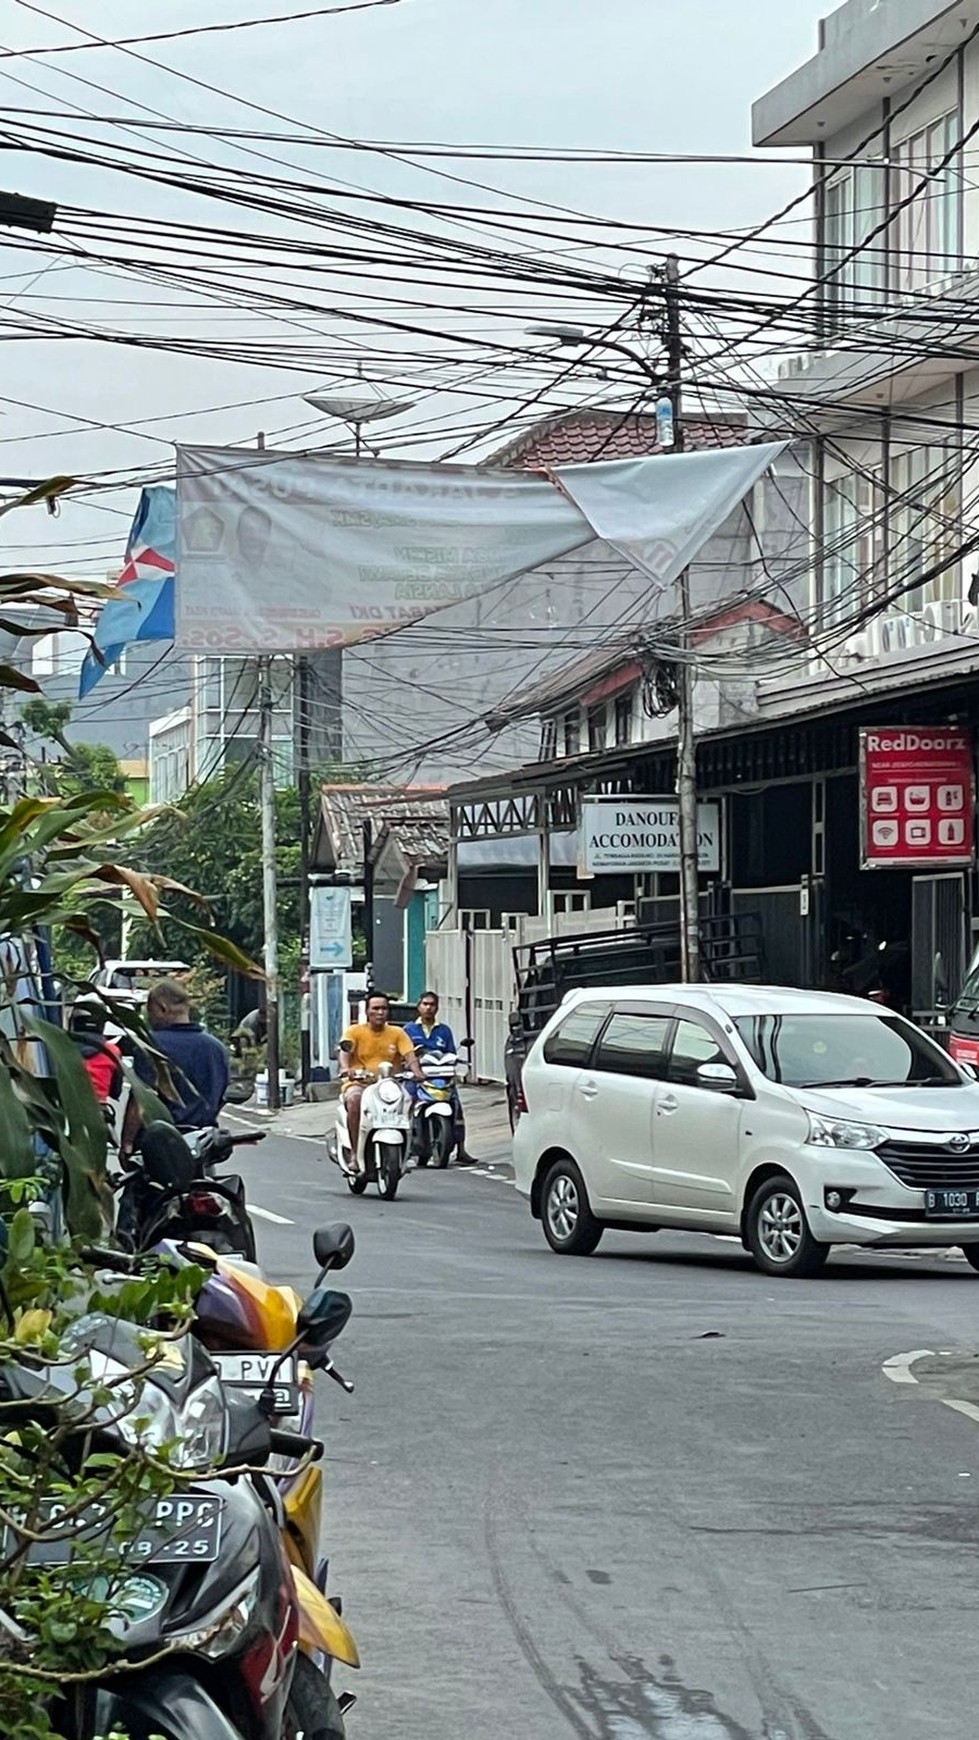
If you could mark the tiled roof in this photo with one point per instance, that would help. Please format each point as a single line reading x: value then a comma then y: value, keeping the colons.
x: 421, y: 840
x: 339, y: 842
x: 579, y: 437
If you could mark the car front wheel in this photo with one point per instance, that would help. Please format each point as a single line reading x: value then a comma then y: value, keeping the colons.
x: 778, y: 1233
x: 570, y: 1228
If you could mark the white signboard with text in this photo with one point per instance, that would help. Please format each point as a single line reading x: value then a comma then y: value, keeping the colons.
x: 641, y: 834
x: 330, y: 938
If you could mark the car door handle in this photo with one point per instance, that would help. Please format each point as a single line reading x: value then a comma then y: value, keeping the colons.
x: 666, y: 1103
x: 588, y: 1090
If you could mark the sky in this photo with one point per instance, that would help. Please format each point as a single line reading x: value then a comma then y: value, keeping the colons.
x: 651, y: 76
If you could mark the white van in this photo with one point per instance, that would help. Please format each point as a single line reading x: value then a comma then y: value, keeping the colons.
x: 797, y: 1120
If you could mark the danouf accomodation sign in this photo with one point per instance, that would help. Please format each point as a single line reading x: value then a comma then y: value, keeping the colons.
x: 624, y: 834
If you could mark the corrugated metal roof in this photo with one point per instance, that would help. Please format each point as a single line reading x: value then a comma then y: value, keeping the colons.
x: 580, y: 437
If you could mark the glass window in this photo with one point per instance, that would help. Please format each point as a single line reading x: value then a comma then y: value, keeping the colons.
x: 634, y: 1045
x: 597, y: 725
x: 829, y: 1050
x: 571, y: 1042
x: 572, y: 732
x: 925, y: 523
x: 853, y: 543
x: 692, y: 1046
x: 927, y: 243
x: 853, y: 263
x: 623, y: 718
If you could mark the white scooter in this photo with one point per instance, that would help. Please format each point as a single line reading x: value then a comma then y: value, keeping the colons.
x: 384, y: 1142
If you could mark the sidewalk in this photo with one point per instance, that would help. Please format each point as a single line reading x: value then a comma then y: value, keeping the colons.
x: 487, y: 1123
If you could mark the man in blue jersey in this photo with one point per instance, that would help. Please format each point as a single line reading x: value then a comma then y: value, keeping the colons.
x: 428, y: 1033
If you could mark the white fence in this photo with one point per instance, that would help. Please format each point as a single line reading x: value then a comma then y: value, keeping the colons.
x: 472, y: 971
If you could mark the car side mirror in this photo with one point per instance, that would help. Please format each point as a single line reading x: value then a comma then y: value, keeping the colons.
x: 323, y: 1315
x: 720, y: 1078
x: 333, y: 1246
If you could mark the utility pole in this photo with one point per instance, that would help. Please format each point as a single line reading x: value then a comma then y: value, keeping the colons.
x: 686, y: 742
x: 269, y: 879
x: 302, y: 735
x: 368, y: 839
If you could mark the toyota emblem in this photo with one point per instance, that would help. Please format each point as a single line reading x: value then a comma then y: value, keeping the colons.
x: 959, y: 1143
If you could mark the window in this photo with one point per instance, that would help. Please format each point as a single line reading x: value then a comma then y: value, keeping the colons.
x: 824, y: 1049
x: 572, y: 732
x: 853, y: 543
x: 926, y: 493
x: 571, y: 1043
x: 853, y: 209
x: 692, y: 1046
x: 573, y: 902
x: 597, y: 728
x: 926, y: 236
x: 548, y: 741
x: 623, y: 718
x: 635, y: 1045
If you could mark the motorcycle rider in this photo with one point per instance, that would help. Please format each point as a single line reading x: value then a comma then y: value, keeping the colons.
x: 364, y: 1046
x: 428, y: 1033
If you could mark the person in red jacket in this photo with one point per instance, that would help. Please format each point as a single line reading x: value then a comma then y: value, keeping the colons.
x: 102, y: 1059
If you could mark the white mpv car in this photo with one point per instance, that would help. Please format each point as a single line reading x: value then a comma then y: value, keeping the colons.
x: 795, y: 1119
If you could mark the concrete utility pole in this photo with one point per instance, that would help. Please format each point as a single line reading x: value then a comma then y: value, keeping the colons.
x: 301, y: 694
x: 670, y: 427
x: 269, y: 878
x: 686, y: 741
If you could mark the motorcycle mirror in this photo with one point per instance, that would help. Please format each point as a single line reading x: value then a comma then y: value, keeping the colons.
x: 466, y: 1044
x: 324, y: 1314
x: 247, y: 1433
x: 333, y: 1246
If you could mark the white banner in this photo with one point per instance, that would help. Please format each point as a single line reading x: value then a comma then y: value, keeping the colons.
x: 279, y: 552
x: 632, y: 834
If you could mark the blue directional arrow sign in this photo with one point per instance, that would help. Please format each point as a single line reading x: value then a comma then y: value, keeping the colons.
x: 330, y: 939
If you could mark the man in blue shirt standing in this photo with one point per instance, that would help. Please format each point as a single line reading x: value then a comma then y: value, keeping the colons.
x: 428, y: 1033
x: 197, y: 1062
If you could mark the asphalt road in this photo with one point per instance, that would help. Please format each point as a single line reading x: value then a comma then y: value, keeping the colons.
x: 649, y: 1493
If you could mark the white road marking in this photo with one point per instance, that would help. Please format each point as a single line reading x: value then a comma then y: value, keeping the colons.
x: 968, y: 1408
x: 898, y: 1368
x: 267, y: 1214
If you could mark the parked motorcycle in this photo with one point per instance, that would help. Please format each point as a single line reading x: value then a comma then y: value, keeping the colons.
x: 435, y: 1108
x: 384, y: 1142
x: 206, y: 1584
x: 175, y: 1191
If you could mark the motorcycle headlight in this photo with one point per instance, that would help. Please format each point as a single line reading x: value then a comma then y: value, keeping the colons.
x: 201, y: 1428
x: 151, y: 1422
x: 215, y: 1640
x: 389, y: 1092
x: 840, y: 1133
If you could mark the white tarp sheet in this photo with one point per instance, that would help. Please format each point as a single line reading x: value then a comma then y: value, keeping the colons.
x: 279, y: 552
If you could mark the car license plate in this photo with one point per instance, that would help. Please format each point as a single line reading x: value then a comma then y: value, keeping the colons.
x: 951, y: 1204
x: 252, y: 1372
x: 184, y: 1528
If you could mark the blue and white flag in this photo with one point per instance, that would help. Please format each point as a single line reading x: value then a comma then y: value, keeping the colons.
x: 144, y: 605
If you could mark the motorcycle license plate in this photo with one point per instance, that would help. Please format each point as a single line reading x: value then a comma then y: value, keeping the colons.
x: 387, y: 1116
x: 252, y: 1372
x: 184, y: 1529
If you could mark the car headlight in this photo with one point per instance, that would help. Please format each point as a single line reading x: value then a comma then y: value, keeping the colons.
x: 840, y: 1133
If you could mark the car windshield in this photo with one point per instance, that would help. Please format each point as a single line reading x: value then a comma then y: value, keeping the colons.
x: 843, y: 1050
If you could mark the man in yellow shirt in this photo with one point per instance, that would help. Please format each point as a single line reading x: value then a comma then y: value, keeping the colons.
x: 364, y: 1046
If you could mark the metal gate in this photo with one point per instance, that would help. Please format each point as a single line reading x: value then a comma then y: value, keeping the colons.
x: 784, y: 931
x: 939, y: 920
